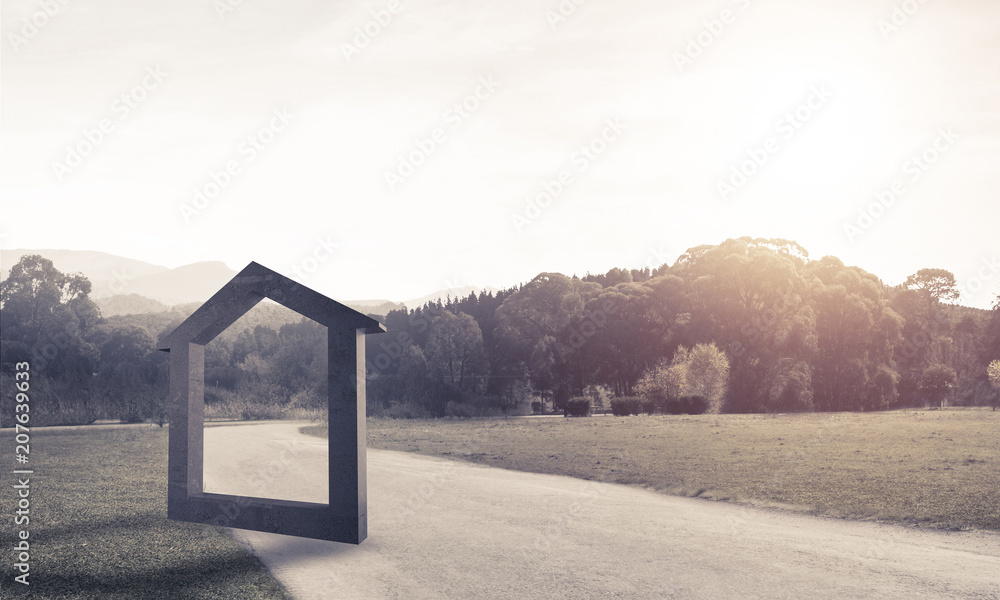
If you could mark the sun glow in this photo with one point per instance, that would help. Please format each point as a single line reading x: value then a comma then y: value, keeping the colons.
x: 829, y: 127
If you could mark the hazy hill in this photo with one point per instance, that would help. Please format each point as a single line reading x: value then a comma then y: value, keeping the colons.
x: 157, y: 323
x: 129, y: 304
x: 377, y: 307
x: 102, y: 269
x: 112, y: 275
x: 191, y: 283
x: 124, y: 286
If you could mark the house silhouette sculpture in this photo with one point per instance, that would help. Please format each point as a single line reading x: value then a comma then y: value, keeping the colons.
x: 344, y: 518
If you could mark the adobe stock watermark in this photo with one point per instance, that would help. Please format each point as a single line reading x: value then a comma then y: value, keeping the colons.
x: 580, y: 162
x: 322, y: 250
x: 899, y: 17
x: 425, y: 147
x: 365, y: 34
x: 657, y: 258
x: 421, y: 495
x: 553, y: 532
x: 121, y: 108
x: 786, y: 127
x: 914, y: 168
x: 34, y: 23
x: 224, y: 7
x: 989, y: 268
x: 119, y: 281
x: 712, y: 30
x: 564, y: 10
x: 264, y: 477
x: 246, y: 152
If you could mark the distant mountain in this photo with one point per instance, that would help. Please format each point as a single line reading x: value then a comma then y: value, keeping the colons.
x: 112, y: 275
x: 124, y: 286
x: 191, y: 283
x: 374, y: 307
x: 102, y: 269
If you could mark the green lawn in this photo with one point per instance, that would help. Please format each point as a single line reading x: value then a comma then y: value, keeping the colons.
x: 99, y: 525
x: 929, y: 468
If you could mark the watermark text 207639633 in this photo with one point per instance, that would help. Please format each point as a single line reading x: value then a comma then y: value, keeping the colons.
x: 22, y: 513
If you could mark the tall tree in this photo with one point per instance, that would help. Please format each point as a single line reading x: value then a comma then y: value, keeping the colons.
x: 749, y: 295
x: 857, y: 334
x: 47, y: 314
x: 938, y: 285
x: 707, y: 375
x: 629, y: 336
x: 993, y: 373
x: 536, y: 323
x: 129, y: 374
x: 455, y: 351
x: 937, y: 382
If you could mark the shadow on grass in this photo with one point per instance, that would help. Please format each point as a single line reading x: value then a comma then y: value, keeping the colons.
x: 187, y: 578
x: 110, y: 527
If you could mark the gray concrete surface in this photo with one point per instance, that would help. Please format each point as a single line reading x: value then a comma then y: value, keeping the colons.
x: 448, y: 529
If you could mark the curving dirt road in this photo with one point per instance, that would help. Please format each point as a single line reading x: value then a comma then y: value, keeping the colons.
x: 448, y: 529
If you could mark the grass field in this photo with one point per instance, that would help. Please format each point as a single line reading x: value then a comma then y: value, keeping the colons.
x: 928, y: 468
x: 98, y: 524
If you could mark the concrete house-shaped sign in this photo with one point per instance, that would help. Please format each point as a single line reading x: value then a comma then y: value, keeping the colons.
x: 344, y: 519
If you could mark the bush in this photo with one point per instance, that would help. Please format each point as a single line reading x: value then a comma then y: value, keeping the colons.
x: 577, y: 407
x: 52, y: 403
x: 537, y: 407
x: 459, y: 410
x: 625, y: 406
x: 231, y: 406
x: 650, y: 406
x: 402, y: 410
x: 691, y: 405
x: 476, y: 406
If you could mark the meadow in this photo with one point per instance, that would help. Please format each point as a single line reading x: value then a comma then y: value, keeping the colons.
x: 98, y: 524
x: 928, y: 468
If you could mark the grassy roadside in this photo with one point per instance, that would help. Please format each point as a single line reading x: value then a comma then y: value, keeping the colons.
x: 929, y: 468
x: 98, y: 525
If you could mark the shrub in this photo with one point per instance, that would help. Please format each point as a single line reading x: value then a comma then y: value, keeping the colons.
x: 625, y: 406
x: 537, y: 407
x: 405, y: 410
x: 255, y: 411
x: 475, y: 406
x: 691, y: 405
x: 577, y: 407
x: 459, y: 409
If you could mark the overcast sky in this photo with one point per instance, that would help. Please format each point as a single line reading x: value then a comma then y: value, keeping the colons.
x: 399, y: 162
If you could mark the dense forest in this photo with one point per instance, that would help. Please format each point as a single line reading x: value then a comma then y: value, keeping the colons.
x: 784, y: 333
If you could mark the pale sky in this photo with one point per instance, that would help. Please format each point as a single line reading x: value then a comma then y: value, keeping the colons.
x: 834, y: 97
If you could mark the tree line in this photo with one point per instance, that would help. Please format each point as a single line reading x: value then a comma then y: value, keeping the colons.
x: 751, y: 325
x: 796, y: 334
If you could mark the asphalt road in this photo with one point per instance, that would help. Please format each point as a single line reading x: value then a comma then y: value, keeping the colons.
x: 449, y: 529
